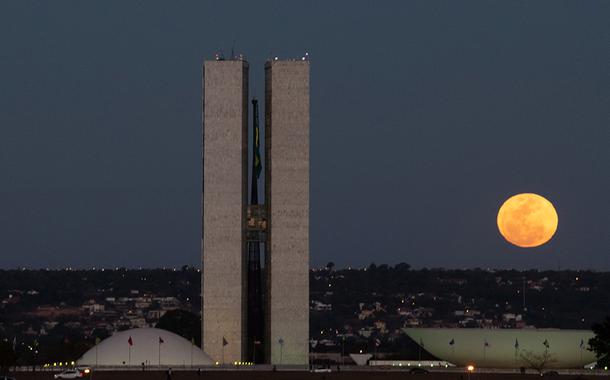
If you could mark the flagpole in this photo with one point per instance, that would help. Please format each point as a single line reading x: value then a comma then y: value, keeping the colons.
x: 129, y: 357
x: 281, y: 342
x: 159, y: 354
x: 343, y: 349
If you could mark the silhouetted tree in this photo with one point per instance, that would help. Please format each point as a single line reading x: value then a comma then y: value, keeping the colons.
x: 183, y: 323
x: 600, y: 344
x: 535, y: 361
x: 8, y: 357
x: 402, y: 267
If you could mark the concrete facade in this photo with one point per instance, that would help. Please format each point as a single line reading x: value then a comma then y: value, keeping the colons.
x: 225, y: 151
x: 287, y: 197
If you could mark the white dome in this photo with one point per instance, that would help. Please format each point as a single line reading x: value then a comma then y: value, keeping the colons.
x: 146, y: 348
x: 505, y: 348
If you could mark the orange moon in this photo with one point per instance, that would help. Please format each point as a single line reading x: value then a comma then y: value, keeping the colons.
x: 527, y: 220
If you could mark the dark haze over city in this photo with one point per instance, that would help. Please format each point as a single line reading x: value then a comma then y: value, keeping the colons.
x: 425, y: 117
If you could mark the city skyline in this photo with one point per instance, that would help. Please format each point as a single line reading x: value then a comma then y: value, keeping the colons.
x: 424, y: 119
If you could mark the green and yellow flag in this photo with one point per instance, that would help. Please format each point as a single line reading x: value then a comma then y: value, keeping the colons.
x: 258, y: 167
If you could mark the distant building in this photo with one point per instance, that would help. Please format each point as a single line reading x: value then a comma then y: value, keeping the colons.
x: 365, y: 332
x: 155, y: 314
x: 364, y: 314
x: 320, y: 306
x: 381, y: 326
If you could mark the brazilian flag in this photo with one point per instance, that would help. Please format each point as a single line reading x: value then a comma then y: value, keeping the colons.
x: 258, y: 167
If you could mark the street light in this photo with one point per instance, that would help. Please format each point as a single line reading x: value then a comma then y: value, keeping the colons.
x: 470, y: 369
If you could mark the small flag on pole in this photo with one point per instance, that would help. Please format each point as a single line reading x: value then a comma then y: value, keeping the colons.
x: 421, y: 343
x: 452, y: 342
x: 224, y: 341
x: 161, y: 340
x: 130, y: 341
x: 486, y: 344
x: 546, y: 343
x: 582, y: 343
x: 516, y: 344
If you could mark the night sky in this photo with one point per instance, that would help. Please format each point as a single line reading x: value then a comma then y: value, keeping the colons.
x: 425, y: 117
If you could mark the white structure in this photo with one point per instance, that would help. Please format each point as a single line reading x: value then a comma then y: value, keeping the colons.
x: 287, y: 197
x: 506, y: 348
x: 225, y: 174
x: 284, y: 213
x: 153, y: 347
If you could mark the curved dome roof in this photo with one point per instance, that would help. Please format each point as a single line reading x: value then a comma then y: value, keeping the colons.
x: 146, y: 348
x: 506, y: 348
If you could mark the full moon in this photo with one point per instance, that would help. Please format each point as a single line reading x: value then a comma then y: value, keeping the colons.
x: 527, y: 220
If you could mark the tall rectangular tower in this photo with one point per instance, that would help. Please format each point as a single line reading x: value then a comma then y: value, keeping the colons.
x: 225, y: 152
x: 287, y: 197
x: 233, y: 311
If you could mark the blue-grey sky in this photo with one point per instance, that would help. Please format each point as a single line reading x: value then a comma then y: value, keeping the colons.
x: 425, y: 117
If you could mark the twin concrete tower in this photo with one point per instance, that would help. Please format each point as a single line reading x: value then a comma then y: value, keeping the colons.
x: 255, y: 272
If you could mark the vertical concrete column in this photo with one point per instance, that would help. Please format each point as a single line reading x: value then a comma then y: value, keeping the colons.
x: 287, y: 196
x: 225, y: 152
